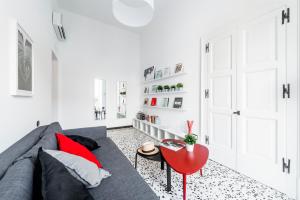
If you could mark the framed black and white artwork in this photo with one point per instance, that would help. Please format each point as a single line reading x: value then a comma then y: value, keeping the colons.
x: 22, y: 80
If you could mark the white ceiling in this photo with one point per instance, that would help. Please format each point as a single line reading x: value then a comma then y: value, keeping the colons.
x: 100, y: 10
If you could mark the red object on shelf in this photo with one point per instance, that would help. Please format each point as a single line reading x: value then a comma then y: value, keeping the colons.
x: 184, y: 162
x: 153, y: 101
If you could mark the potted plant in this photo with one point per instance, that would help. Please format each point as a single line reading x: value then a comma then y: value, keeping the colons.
x: 173, y: 87
x: 179, y: 86
x: 159, y: 88
x: 166, y: 88
x: 190, y: 140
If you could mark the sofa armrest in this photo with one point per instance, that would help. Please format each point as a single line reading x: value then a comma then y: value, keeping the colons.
x: 91, y: 132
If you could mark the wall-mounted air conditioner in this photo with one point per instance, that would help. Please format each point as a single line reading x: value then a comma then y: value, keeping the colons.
x: 58, y: 26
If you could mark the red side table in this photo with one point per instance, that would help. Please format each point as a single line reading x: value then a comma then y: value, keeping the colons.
x: 184, y: 162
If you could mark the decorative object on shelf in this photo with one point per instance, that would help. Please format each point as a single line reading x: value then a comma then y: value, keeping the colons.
x: 154, y: 88
x: 154, y: 119
x: 167, y: 88
x: 146, y: 90
x: 146, y: 101
x: 173, y: 87
x: 149, y: 73
x: 178, y: 68
x: 134, y: 13
x: 165, y: 103
x: 179, y: 86
x: 166, y: 72
x: 190, y: 126
x: 153, y: 101
x: 22, y: 70
x: 158, y: 74
x: 190, y: 140
x: 140, y: 116
x: 178, y: 102
x: 159, y: 88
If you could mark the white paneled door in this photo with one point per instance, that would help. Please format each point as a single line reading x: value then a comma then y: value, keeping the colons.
x: 221, y: 80
x: 246, y: 100
x: 261, y: 72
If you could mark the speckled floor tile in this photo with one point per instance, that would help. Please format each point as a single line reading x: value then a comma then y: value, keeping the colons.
x: 217, y: 183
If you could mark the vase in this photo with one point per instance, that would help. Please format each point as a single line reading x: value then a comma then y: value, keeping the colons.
x: 190, y: 147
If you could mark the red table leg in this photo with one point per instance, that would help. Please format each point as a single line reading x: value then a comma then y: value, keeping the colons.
x: 184, y: 187
x: 201, y: 172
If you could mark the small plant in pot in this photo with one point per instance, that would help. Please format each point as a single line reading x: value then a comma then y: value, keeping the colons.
x: 166, y: 88
x: 173, y: 87
x: 159, y: 88
x: 179, y: 86
x: 190, y: 140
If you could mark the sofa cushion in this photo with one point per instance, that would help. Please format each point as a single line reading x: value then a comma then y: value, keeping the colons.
x: 125, y: 182
x: 56, y: 182
x: 89, y: 143
x: 16, y: 184
x: 67, y: 145
x: 85, y: 171
x: 19, y: 148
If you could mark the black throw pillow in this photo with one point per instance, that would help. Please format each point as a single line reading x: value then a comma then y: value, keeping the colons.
x: 55, y: 182
x: 85, y: 141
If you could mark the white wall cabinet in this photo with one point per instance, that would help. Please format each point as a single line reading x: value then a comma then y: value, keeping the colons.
x: 245, y: 106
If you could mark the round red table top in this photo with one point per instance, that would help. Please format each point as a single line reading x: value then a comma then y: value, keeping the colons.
x: 185, y: 162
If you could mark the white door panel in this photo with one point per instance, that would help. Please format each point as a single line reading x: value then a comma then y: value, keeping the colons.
x: 221, y: 70
x: 261, y: 72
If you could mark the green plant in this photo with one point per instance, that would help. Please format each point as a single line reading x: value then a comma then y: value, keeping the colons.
x: 179, y: 85
x: 166, y: 87
x: 173, y: 87
x: 190, y: 139
x: 159, y: 88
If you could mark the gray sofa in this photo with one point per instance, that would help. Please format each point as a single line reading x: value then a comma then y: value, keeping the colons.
x: 17, y: 166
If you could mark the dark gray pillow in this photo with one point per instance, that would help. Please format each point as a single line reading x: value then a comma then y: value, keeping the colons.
x: 89, y: 143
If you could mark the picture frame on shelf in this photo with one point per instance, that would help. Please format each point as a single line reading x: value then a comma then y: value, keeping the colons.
x: 158, y: 74
x: 154, y: 88
x: 149, y: 73
x: 178, y: 102
x: 179, y: 68
x: 165, y: 102
x: 166, y: 72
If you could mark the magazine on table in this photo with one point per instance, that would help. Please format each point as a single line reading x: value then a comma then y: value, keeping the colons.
x: 172, y: 145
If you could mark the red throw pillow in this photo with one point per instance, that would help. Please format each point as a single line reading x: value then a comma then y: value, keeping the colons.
x: 67, y: 145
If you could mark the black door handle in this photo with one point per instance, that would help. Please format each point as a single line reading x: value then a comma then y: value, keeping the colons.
x: 237, y: 113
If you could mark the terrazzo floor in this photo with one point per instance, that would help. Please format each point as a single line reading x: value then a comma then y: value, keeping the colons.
x: 217, y: 183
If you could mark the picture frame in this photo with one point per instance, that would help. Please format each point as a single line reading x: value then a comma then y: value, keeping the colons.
x: 22, y: 61
x: 179, y: 68
x: 158, y: 74
x: 178, y: 102
x: 149, y: 73
x: 154, y: 89
x: 165, y: 102
x: 166, y: 72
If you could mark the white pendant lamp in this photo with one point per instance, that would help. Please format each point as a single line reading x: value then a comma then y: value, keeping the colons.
x: 134, y: 13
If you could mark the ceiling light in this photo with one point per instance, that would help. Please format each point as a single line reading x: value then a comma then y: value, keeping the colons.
x: 134, y: 13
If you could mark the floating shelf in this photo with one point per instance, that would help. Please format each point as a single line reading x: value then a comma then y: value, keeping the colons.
x: 164, y: 108
x: 164, y: 78
x: 164, y: 93
x: 156, y: 131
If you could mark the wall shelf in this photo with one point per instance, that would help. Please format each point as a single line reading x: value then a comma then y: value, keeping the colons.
x: 164, y: 78
x: 164, y: 93
x: 156, y: 131
x: 164, y: 108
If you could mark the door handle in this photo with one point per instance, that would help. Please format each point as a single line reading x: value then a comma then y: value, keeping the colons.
x: 237, y: 113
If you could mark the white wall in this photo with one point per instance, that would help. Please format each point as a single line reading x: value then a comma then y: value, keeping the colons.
x: 175, y: 36
x: 96, y: 50
x: 18, y: 114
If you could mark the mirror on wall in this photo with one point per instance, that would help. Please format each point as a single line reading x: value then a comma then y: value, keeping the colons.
x: 121, y: 99
x: 99, y: 99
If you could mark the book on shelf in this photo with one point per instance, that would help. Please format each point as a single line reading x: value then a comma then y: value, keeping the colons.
x: 172, y: 145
